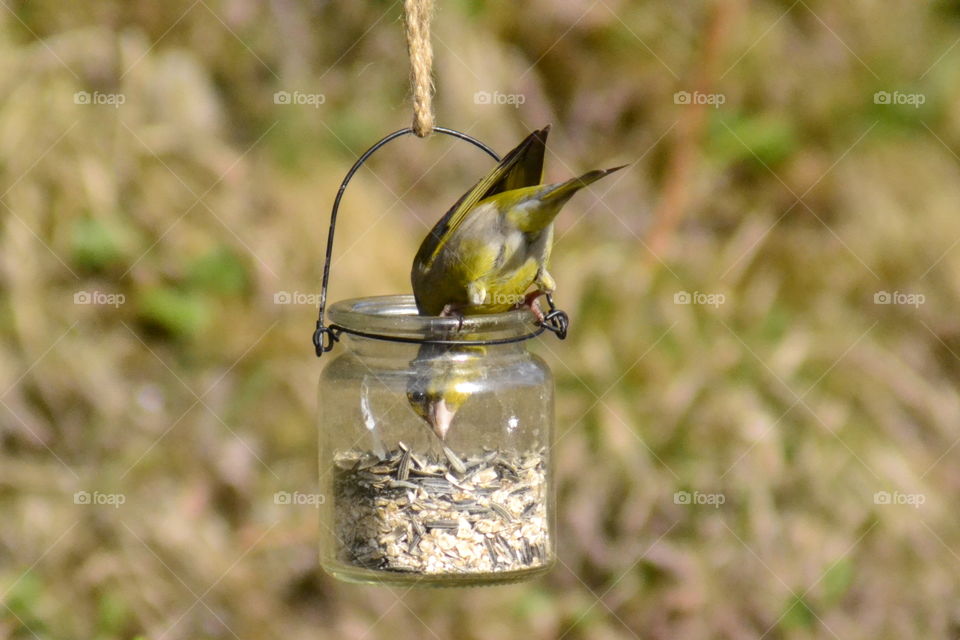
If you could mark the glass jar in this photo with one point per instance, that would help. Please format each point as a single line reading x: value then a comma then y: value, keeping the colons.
x: 435, y: 461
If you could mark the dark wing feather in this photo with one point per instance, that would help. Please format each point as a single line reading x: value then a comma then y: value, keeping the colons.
x: 522, y: 167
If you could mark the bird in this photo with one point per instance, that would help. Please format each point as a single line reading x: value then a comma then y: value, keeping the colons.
x: 443, y: 378
x: 494, y: 243
x: 482, y: 257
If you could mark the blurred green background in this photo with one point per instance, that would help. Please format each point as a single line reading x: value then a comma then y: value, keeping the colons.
x: 796, y: 180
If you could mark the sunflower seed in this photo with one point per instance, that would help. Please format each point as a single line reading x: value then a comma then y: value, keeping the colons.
x: 501, y: 511
x: 455, y: 462
x: 447, y: 514
x: 403, y: 470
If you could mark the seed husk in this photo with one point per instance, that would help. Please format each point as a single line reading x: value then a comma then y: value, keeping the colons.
x: 403, y: 469
x: 441, y: 515
x: 501, y: 511
x: 455, y: 462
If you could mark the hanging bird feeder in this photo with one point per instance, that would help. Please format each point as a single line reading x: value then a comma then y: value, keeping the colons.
x: 435, y: 431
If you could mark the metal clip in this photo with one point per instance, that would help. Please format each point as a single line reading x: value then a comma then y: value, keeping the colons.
x: 556, y: 320
x: 324, y: 338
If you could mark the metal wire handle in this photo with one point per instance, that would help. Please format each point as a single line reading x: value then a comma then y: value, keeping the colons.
x: 325, y: 337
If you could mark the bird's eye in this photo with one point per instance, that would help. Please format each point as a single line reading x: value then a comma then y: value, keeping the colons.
x: 417, y: 396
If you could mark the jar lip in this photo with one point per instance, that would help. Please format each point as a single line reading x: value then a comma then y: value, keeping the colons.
x: 397, y: 316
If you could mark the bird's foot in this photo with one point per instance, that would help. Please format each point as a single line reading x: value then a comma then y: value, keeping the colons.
x: 530, y: 302
x: 453, y: 311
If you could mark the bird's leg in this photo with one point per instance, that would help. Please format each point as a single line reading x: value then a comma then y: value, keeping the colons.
x: 452, y: 310
x: 530, y: 302
x: 545, y: 286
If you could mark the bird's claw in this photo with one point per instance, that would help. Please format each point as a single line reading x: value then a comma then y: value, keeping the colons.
x: 530, y: 302
x: 450, y: 311
x: 555, y: 320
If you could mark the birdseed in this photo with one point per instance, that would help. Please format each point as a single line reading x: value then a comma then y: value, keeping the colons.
x: 441, y: 514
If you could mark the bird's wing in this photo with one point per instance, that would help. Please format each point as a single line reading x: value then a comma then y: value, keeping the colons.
x: 526, y: 170
x: 522, y: 167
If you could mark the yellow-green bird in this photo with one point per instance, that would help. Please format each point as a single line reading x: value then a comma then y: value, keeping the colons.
x: 482, y: 257
x: 444, y: 377
x: 495, y: 242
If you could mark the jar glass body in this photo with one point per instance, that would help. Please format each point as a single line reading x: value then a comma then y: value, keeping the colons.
x: 403, y: 505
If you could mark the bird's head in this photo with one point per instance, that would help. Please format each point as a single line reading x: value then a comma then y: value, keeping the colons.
x: 444, y: 378
x: 438, y: 401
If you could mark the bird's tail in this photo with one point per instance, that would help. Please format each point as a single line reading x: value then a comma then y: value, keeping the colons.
x: 547, y: 200
x: 563, y: 191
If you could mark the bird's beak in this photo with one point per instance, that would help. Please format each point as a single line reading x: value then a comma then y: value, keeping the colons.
x: 440, y: 418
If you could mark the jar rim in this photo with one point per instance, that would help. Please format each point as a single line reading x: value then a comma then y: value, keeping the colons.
x: 396, y: 316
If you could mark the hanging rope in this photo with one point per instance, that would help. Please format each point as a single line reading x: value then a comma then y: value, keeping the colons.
x: 417, y: 15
